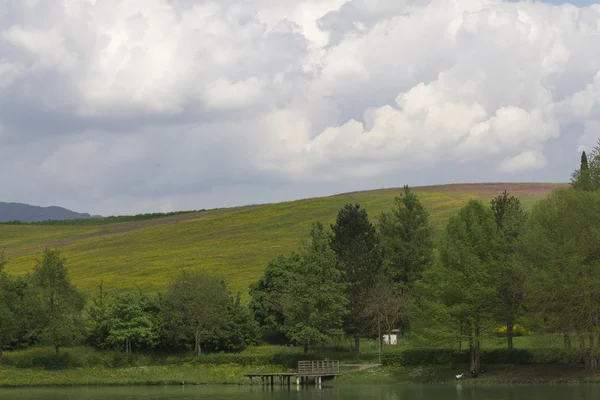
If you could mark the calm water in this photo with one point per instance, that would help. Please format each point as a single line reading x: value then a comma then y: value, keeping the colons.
x: 349, y: 392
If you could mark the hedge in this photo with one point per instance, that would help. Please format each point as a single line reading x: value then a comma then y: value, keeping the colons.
x: 284, y: 360
x: 415, y: 357
x: 82, y: 357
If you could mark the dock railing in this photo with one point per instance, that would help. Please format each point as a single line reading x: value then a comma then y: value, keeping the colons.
x: 324, y: 367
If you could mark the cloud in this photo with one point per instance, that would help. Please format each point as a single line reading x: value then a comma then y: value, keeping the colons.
x: 132, y: 106
x: 525, y: 161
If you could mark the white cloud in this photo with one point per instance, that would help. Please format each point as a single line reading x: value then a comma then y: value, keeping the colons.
x: 527, y: 160
x: 160, y: 102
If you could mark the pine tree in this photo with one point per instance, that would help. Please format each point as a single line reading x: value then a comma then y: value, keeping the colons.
x: 407, y: 239
x: 355, y: 242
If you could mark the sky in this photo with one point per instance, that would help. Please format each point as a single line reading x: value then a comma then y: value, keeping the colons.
x: 133, y: 106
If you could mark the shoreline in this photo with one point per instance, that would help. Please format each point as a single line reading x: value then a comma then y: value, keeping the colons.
x: 229, y: 374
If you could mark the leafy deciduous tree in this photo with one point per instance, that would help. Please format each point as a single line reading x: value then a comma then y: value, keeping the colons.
x: 267, y: 294
x: 510, y: 220
x: 387, y: 307
x: 129, y: 322
x: 9, y: 308
x: 461, y: 292
x: 239, y: 330
x: 317, y: 301
x: 196, y: 305
x: 60, y: 303
x: 561, y: 251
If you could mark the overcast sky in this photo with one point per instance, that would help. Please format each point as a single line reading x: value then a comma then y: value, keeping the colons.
x: 130, y: 106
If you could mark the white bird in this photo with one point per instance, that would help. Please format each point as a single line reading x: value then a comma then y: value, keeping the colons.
x: 459, y: 376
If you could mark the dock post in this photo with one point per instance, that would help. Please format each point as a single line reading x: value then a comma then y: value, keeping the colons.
x: 250, y: 381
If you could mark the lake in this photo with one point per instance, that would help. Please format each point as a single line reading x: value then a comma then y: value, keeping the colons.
x: 345, y: 392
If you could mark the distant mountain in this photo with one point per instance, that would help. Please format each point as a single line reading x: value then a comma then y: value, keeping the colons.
x: 27, y: 213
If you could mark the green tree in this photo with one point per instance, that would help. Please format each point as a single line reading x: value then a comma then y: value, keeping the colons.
x: 594, y: 166
x: 387, y: 307
x: 9, y: 308
x: 196, y: 305
x: 98, y: 316
x: 60, y: 303
x: 356, y: 244
x: 510, y: 221
x: 407, y: 239
x: 581, y: 179
x: 129, y: 322
x: 239, y: 330
x: 461, y: 292
x: 266, y: 295
x: 316, y: 301
x: 561, y: 252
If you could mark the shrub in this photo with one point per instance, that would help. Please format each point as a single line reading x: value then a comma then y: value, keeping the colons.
x: 414, y: 357
x: 518, y: 330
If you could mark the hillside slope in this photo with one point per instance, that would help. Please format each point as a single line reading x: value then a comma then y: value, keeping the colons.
x: 28, y: 213
x: 236, y: 242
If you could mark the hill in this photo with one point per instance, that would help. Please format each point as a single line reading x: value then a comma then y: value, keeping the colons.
x: 28, y: 213
x: 236, y: 242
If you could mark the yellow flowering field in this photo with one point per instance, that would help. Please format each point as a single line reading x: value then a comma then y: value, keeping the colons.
x: 236, y: 243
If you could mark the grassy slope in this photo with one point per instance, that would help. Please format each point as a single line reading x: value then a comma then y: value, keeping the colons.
x: 236, y: 243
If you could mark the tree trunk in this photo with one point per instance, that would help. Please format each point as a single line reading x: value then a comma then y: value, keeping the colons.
x: 567, y: 341
x: 197, y: 349
x: 585, y: 353
x: 474, y: 347
x: 510, y: 324
x: 356, y: 345
x: 57, y: 349
x: 460, y: 334
x: 305, y: 348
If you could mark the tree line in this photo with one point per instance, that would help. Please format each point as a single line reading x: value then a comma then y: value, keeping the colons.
x: 494, y: 269
x: 196, y: 311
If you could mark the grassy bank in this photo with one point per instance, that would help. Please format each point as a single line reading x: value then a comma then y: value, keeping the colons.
x: 142, y: 375
x: 86, y: 366
x: 495, y: 375
x: 234, y: 374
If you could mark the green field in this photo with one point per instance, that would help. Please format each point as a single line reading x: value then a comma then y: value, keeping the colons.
x: 236, y: 242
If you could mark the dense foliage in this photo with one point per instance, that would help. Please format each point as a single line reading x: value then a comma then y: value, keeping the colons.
x: 45, y: 308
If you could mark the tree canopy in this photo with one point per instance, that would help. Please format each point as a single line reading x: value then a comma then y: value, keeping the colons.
x: 407, y: 239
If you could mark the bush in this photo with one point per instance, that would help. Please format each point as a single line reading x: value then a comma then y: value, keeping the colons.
x: 414, y: 357
x: 518, y: 330
x: 284, y: 360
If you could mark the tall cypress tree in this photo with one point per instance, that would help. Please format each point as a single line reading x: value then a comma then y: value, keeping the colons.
x: 581, y: 179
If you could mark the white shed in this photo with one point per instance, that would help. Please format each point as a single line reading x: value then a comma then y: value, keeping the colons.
x: 391, y: 338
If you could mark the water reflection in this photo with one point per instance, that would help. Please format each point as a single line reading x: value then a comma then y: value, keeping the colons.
x: 327, y: 392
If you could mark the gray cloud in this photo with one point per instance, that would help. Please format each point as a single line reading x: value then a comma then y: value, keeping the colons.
x: 129, y: 106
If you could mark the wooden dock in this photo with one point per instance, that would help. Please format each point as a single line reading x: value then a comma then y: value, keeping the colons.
x: 307, y: 371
